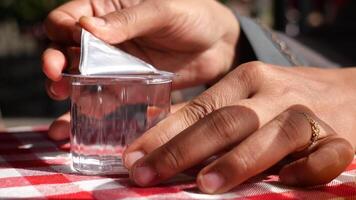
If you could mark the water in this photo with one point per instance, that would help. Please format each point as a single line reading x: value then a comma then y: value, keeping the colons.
x: 108, y: 116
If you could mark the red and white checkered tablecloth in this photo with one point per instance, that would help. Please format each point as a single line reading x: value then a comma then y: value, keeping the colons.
x: 34, y: 167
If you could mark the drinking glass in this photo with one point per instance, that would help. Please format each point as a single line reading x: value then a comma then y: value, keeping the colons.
x: 109, y: 112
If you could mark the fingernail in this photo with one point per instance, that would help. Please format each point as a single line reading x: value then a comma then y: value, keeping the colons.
x: 211, y: 182
x: 132, y: 157
x: 94, y: 20
x: 143, y: 175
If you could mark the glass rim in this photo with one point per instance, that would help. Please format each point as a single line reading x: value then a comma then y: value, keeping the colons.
x: 157, y: 75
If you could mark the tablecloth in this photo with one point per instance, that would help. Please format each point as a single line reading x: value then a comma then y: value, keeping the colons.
x: 34, y: 167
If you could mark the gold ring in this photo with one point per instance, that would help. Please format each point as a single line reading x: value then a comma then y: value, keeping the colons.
x: 315, y: 128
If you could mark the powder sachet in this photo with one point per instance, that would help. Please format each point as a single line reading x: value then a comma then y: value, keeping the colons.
x: 100, y: 58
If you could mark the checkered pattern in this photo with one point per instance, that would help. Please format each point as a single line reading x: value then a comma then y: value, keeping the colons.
x: 33, y: 167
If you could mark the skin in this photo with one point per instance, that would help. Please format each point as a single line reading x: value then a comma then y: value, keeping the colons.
x: 251, y: 119
x: 254, y: 116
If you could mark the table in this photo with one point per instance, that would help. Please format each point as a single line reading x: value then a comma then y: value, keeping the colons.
x: 34, y: 167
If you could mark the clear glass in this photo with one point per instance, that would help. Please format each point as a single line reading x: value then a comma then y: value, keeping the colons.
x: 109, y: 112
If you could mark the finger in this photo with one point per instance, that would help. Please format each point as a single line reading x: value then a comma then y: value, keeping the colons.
x: 330, y: 159
x: 60, y: 128
x: 128, y: 23
x: 102, y: 7
x: 53, y: 63
x: 58, y: 90
x: 60, y: 25
x: 285, y: 134
x: 178, y: 106
x: 215, y: 132
x: 233, y: 87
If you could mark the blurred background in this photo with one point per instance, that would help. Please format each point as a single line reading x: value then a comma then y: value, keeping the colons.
x: 328, y: 26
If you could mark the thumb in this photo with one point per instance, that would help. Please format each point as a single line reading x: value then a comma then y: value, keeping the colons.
x: 128, y: 23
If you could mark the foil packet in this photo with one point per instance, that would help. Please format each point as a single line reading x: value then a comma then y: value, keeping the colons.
x: 100, y: 58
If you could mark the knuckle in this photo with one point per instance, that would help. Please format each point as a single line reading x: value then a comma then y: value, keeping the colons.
x: 293, y: 128
x: 253, y: 69
x: 173, y: 158
x: 200, y: 107
x: 242, y: 162
x: 223, y: 124
x: 251, y: 74
x: 124, y: 17
x: 120, y: 19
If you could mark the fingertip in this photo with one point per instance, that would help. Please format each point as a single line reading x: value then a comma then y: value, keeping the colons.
x: 58, y: 90
x: 329, y: 160
x: 288, y: 177
x: 60, y: 128
x: 131, y: 158
x: 53, y: 63
x: 85, y: 21
x: 129, y: 152
x: 143, y: 174
x: 114, y: 27
x: 346, y: 150
x: 211, y: 182
x: 92, y: 24
x: 98, y: 27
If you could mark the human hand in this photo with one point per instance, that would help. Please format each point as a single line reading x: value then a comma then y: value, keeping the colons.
x: 254, y: 118
x: 195, y: 39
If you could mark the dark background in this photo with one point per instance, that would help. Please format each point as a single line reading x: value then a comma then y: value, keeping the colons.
x: 328, y: 26
x: 22, y: 40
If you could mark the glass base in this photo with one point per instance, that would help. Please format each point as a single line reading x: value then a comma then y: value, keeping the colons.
x: 98, y: 165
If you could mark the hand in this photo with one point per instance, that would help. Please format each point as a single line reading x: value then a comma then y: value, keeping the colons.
x: 253, y: 119
x: 195, y: 39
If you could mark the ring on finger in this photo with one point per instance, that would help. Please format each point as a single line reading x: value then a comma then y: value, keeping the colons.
x: 315, y: 128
